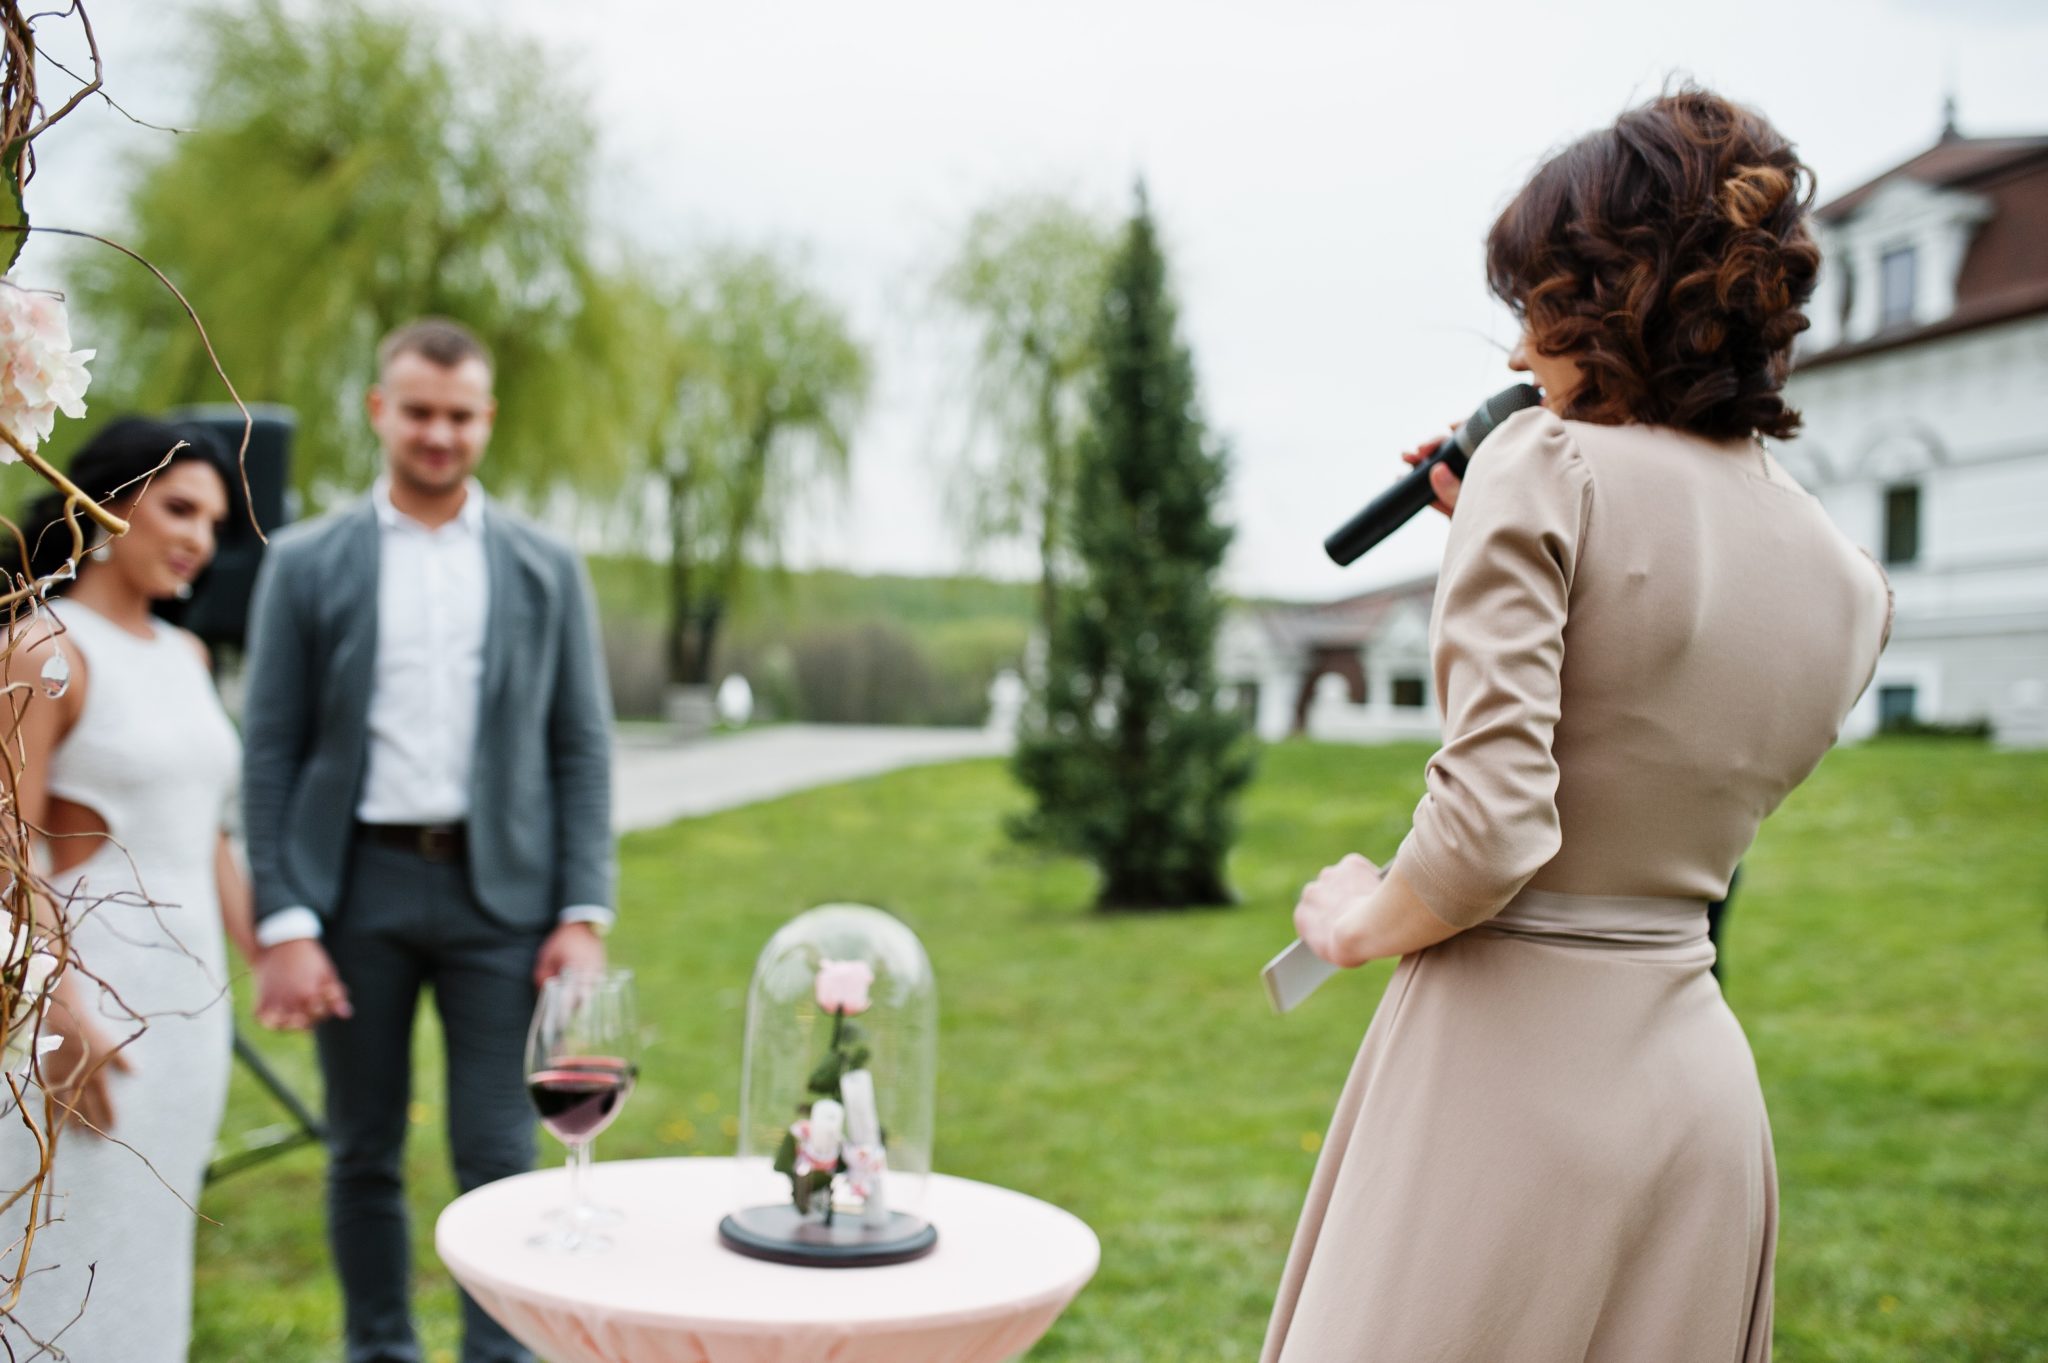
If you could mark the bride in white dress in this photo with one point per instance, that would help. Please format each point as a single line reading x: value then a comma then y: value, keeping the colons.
x: 127, y: 773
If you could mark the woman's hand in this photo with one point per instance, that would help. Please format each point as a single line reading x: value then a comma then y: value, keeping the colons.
x: 77, y: 1071
x: 1329, y: 913
x: 1442, y: 481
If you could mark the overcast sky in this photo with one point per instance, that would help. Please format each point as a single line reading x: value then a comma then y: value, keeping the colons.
x: 1324, y: 175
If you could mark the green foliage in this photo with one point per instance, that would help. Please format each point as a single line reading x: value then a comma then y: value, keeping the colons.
x: 1134, y: 763
x: 760, y: 382
x: 1029, y: 276
x: 13, y: 212
x: 870, y: 672
x: 354, y: 168
x: 847, y: 1052
x: 909, y: 650
x: 780, y: 602
x: 1885, y: 954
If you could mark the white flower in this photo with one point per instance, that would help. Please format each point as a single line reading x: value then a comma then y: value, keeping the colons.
x: 18, y: 1060
x: 37, y: 967
x: 818, y: 1136
x: 865, y: 1165
x: 40, y: 374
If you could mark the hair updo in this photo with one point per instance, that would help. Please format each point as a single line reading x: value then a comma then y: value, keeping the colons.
x: 111, y: 466
x: 1669, y: 256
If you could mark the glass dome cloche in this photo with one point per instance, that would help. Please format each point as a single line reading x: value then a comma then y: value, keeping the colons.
x: 836, y: 1094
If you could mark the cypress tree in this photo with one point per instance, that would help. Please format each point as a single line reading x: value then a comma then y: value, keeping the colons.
x: 1132, y: 762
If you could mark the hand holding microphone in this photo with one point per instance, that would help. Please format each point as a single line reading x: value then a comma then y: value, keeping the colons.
x: 1424, y: 486
x: 1442, y: 481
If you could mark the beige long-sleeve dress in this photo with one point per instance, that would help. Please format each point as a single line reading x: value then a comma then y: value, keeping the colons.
x: 1553, y: 1145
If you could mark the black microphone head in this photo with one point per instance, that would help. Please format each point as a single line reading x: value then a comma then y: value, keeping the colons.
x: 1490, y: 413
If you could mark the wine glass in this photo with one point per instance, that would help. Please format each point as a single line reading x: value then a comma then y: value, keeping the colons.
x: 579, y: 1068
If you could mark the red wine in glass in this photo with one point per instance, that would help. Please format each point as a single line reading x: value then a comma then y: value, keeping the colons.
x: 611, y: 1064
x: 577, y: 1100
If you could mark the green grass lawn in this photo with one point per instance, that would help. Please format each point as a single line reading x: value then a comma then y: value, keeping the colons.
x: 1888, y: 954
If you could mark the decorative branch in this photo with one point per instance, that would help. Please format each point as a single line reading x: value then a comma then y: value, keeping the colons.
x: 39, y: 954
x: 77, y: 500
x: 90, y: 87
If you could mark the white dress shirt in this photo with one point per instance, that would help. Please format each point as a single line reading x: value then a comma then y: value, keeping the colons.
x: 433, y: 602
x: 433, y: 594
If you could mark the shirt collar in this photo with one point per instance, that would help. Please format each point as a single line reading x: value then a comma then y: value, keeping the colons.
x: 389, y: 517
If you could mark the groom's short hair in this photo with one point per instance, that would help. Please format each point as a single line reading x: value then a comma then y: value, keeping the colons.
x: 442, y: 340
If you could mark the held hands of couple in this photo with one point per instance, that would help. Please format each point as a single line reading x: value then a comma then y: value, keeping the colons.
x: 297, y: 987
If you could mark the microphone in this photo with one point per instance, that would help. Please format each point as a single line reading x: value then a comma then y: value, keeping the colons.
x: 1393, y: 508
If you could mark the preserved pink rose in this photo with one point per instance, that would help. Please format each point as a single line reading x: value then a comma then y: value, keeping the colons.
x: 842, y: 986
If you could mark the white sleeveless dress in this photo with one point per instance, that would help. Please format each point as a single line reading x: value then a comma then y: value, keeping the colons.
x: 154, y: 753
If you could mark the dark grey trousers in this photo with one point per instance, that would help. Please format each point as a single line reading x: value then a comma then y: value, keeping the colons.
x: 406, y: 922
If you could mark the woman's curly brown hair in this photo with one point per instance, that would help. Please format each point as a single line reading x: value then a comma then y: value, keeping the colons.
x: 1669, y: 255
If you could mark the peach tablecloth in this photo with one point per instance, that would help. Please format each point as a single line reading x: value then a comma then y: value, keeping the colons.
x: 668, y: 1292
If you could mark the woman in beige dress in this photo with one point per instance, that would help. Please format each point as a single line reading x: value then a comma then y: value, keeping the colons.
x: 1553, y: 1144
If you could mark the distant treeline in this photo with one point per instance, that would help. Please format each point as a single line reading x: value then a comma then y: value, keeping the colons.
x: 829, y: 646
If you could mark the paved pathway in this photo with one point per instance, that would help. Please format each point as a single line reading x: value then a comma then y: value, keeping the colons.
x: 656, y: 781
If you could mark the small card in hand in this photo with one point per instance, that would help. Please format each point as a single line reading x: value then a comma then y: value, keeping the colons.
x: 1295, y: 974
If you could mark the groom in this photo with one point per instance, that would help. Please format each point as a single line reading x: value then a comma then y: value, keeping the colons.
x: 427, y: 789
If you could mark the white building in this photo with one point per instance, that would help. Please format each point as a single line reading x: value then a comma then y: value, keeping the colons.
x: 1355, y: 670
x: 1924, y: 385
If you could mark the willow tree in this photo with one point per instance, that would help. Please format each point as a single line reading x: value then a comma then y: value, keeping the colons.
x: 350, y: 169
x: 760, y: 384
x: 1028, y: 278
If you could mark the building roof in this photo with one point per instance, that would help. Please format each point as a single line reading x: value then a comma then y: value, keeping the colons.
x: 1955, y: 161
x: 1347, y: 622
x: 2005, y: 275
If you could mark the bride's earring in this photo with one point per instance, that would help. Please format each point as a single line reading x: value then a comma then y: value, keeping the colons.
x: 56, y: 673
x: 104, y: 554
x: 184, y: 591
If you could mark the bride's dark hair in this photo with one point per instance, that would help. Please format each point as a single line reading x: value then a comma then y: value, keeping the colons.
x: 111, y: 468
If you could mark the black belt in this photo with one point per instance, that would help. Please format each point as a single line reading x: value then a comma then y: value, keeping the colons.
x: 431, y: 841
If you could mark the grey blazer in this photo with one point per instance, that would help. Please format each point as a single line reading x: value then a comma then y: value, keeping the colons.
x: 540, y: 796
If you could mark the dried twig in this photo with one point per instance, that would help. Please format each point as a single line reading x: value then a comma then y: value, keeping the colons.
x: 92, y: 45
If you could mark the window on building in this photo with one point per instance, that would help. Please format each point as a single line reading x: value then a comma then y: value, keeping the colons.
x: 1896, y: 278
x: 1902, y: 523
x: 1408, y: 693
x: 1896, y: 706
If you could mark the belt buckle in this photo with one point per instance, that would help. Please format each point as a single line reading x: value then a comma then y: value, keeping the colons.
x: 437, y: 842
